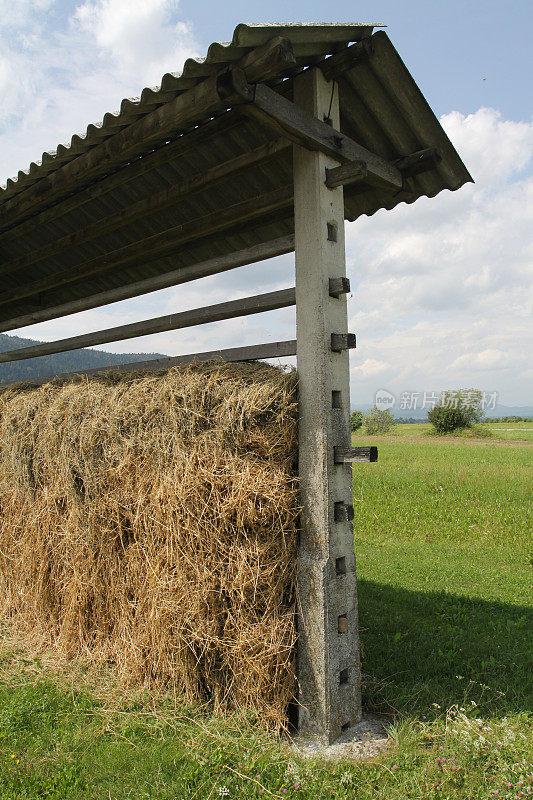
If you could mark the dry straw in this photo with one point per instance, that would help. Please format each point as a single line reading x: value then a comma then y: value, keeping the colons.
x: 150, y: 522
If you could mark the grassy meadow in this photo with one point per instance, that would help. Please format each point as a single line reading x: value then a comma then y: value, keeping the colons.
x: 443, y: 538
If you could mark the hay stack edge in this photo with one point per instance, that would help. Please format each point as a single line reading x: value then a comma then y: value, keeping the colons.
x: 150, y: 521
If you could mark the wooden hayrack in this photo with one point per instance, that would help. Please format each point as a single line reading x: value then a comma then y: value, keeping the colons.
x: 265, y: 147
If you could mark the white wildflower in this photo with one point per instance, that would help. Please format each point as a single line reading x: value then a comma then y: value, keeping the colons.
x: 292, y: 772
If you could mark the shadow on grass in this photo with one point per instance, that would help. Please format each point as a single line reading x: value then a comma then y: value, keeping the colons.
x: 426, y: 648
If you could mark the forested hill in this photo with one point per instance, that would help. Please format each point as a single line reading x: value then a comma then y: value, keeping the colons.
x: 61, y: 362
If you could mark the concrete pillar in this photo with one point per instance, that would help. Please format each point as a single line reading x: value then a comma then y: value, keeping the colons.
x: 328, y: 645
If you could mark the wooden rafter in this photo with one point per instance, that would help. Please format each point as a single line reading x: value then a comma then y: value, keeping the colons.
x: 213, y: 266
x: 210, y: 97
x: 157, y: 245
x: 151, y: 205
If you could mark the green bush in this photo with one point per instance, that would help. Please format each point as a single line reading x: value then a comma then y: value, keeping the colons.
x: 378, y: 420
x: 356, y: 420
x: 460, y: 408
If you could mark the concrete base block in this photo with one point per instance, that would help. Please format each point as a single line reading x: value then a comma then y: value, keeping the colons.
x: 360, y: 742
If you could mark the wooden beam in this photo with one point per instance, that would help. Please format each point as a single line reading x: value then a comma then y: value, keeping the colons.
x: 339, y: 286
x: 347, y: 58
x: 203, y: 101
x: 170, y: 322
x: 151, y: 205
x: 348, y: 455
x: 301, y: 33
x: 248, y: 353
x: 342, y: 341
x: 421, y: 161
x: 213, y: 266
x: 346, y: 173
x: 157, y: 245
x: 272, y: 59
x: 311, y: 132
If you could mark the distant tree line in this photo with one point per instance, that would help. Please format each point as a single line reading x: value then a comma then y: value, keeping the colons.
x: 357, y: 419
x: 508, y: 419
x: 60, y: 362
x: 376, y: 420
x: 457, y: 409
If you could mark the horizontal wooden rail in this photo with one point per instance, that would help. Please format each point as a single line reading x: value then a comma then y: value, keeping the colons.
x: 248, y: 353
x: 158, y: 244
x: 213, y: 266
x: 170, y: 322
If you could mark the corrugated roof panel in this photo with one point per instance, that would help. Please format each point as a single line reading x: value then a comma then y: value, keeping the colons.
x: 308, y: 40
x: 381, y: 108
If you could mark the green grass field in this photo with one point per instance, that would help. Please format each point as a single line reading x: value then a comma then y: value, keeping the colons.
x: 443, y: 539
x: 506, y: 431
x: 514, y: 431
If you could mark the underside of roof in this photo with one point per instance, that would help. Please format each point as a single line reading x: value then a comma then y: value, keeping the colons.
x: 143, y: 194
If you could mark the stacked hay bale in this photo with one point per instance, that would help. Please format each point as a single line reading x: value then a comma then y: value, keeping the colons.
x: 150, y: 521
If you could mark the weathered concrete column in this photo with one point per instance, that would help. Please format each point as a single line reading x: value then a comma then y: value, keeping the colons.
x: 328, y: 645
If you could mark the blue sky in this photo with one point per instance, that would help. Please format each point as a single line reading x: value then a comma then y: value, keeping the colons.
x: 450, y: 46
x: 442, y: 289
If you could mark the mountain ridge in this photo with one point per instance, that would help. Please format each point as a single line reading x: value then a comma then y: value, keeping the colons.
x: 72, y: 361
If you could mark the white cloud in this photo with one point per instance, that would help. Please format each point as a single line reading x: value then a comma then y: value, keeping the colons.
x: 58, y: 74
x: 443, y: 287
x: 486, y: 360
x: 134, y: 31
x: 370, y: 368
x: 492, y: 147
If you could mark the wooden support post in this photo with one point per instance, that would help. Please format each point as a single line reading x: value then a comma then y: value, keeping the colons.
x: 328, y: 644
